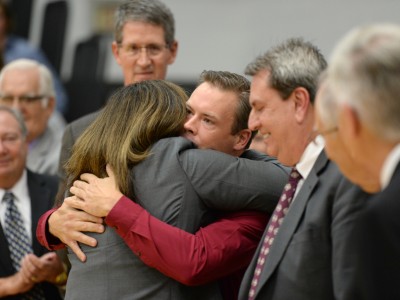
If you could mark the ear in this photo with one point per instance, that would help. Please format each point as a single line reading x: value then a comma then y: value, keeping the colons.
x: 51, y: 105
x: 115, y: 51
x: 242, y: 138
x: 174, y: 51
x: 301, y: 100
x: 350, y: 120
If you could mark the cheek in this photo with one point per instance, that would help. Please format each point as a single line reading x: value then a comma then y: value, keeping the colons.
x: 160, y: 68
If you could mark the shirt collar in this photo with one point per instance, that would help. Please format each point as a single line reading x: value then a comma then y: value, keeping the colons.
x: 389, y: 166
x: 20, y: 189
x: 309, y: 156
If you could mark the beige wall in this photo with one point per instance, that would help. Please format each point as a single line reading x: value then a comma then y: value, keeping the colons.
x: 227, y: 34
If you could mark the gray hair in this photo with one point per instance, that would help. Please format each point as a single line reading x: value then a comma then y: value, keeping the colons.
x: 46, y: 84
x: 365, y: 74
x: 18, y: 117
x: 147, y: 11
x: 327, y: 107
x: 292, y: 64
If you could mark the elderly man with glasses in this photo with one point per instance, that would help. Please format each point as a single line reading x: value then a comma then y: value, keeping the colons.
x: 27, y: 85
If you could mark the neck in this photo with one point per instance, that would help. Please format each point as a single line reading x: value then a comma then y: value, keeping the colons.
x: 374, y: 153
x: 7, y: 183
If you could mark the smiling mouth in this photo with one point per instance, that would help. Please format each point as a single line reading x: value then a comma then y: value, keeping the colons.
x: 266, y: 136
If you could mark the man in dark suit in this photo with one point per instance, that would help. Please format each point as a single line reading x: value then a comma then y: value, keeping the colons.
x: 302, y: 254
x: 32, y: 195
x: 362, y: 102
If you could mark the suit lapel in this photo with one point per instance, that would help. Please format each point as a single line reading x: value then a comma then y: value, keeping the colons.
x: 5, y: 261
x: 292, y: 220
x: 40, y: 197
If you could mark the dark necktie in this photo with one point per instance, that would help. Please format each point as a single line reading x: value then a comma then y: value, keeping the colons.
x: 18, y: 241
x: 277, y: 218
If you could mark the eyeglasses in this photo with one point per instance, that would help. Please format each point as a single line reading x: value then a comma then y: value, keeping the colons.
x: 24, y: 99
x: 151, y: 50
x: 9, y: 140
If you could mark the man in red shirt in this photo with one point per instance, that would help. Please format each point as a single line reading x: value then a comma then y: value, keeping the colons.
x: 218, y: 112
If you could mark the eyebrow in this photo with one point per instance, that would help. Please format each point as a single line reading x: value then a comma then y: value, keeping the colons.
x: 206, y: 114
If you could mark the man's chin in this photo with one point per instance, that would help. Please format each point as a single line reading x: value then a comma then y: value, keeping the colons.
x: 144, y: 76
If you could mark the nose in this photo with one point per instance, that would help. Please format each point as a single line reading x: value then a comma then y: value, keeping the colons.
x: 189, y: 125
x: 253, y: 123
x: 2, y: 147
x: 16, y: 104
x: 143, y: 59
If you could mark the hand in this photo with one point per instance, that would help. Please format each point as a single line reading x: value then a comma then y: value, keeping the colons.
x: 68, y: 224
x: 99, y: 195
x: 44, y: 268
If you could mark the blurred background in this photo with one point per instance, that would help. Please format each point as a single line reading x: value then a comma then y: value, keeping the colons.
x: 76, y: 36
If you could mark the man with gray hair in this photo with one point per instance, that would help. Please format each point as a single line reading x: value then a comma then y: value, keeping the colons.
x: 144, y: 45
x: 27, y: 270
x: 363, y: 79
x: 302, y: 254
x: 27, y: 85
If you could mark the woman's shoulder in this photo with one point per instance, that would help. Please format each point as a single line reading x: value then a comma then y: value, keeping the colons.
x: 175, y: 144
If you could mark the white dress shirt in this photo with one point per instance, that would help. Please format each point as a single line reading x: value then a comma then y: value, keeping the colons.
x: 308, y: 159
x: 389, y: 166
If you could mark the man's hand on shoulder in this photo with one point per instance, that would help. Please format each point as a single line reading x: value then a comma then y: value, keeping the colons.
x: 68, y: 224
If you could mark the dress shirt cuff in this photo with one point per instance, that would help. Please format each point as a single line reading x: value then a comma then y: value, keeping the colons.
x: 123, y: 215
x: 43, y: 234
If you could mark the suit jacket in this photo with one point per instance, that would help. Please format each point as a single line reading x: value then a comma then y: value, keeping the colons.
x: 181, y: 186
x: 309, y: 258
x: 42, y: 190
x: 44, y: 156
x: 377, y: 243
x: 71, y: 134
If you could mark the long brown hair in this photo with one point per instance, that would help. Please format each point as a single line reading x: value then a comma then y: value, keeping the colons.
x: 135, y: 117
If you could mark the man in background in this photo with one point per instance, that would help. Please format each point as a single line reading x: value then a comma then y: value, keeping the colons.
x: 144, y: 46
x: 26, y: 269
x: 13, y: 47
x: 361, y: 100
x: 27, y: 85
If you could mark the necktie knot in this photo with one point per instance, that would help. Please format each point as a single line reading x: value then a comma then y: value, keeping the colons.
x: 295, y: 176
x: 8, y: 197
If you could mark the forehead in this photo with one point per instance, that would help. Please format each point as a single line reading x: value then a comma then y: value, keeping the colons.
x: 260, y: 91
x: 21, y: 79
x: 8, y: 124
x: 208, y: 96
x: 142, y: 33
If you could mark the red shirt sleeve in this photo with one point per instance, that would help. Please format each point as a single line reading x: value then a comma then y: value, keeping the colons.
x: 43, y: 235
x: 213, y: 252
